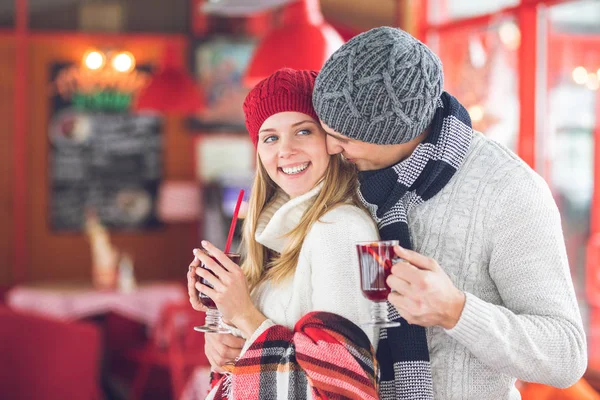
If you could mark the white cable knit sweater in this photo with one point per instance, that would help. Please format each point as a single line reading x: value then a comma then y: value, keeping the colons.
x: 496, y: 231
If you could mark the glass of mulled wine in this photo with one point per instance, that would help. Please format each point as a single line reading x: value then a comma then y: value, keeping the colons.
x: 213, y: 322
x: 375, y: 260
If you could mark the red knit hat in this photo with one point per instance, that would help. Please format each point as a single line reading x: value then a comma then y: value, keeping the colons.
x: 284, y: 90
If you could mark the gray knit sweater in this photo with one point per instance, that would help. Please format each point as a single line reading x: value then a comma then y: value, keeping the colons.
x: 496, y: 231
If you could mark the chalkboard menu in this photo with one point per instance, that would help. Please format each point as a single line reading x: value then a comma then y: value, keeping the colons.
x: 109, y: 161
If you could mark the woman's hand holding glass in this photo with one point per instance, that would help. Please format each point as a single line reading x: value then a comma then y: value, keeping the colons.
x: 191, y: 285
x: 230, y: 290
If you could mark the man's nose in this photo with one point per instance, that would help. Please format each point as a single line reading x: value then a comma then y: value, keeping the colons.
x: 333, y: 145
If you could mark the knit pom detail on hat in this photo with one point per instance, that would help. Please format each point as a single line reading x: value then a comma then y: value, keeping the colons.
x: 284, y: 90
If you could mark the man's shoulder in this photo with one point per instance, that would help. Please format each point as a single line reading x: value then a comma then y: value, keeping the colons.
x: 492, y: 158
x: 490, y: 152
x: 490, y: 162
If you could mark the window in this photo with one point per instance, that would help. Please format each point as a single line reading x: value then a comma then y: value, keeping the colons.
x: 480, y: 70
x: 441, y: 11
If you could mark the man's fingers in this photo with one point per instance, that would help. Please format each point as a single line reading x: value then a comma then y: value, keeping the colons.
x: 220, y: 351
x: 233, y: 342
x: 418, y: 260
x: 400, y: 285
x: 213, y: 363
x: 403, y: 305
x: 226, y: 344
x: 407, y: 272
x: 228, y: 355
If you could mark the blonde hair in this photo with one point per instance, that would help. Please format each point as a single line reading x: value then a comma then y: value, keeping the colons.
x: 340, y: 186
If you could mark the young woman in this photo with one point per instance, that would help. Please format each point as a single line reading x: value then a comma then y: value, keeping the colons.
x: 300, y: 232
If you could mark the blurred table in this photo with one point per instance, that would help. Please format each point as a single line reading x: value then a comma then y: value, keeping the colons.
x: 77, y: 301
x: 126, y: 319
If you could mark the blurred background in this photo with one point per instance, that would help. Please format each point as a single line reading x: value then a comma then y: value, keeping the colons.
x: 123, y: 143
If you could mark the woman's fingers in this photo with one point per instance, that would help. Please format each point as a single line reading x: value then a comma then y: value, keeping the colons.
x: 211, y: 264
x: 220, y: 256
x: 213, y: 294
x: 193, y: 294
x: 230, y: 290
x: 210, y: 278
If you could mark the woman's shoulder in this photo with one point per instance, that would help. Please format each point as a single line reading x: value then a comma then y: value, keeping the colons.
x: 345, y: 211
x: 344, y: 219
x: 335, y: 234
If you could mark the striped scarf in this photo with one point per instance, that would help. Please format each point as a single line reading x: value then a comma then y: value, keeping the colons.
x: 389, y: 194
x: 325, y: 354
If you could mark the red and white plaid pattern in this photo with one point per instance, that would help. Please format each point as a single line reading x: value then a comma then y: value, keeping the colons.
x: 326, y: 354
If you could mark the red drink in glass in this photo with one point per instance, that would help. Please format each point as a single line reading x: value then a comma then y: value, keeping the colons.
x: 375, y: 266
x: 375, y: 260
x: 204, y: 299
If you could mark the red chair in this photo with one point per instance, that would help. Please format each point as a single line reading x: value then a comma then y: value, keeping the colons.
x: 174, y: 345
x: 41, y: 358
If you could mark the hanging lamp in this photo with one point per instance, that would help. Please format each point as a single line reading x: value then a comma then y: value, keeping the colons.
x: 171, y: 90
x: 303, y: 41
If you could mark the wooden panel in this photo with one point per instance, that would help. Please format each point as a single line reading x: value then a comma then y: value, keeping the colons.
x: 157, y: 254
x: 360, y: 15
x: 7, y: 70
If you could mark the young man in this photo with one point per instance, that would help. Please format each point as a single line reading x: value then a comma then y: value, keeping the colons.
x: 484, y: 286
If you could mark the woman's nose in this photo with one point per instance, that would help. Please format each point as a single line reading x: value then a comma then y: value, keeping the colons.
x: 286, y: 148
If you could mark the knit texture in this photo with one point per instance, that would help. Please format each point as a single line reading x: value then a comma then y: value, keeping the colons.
x: 389, y: 194
x: 325, y: 354
x: 284, y: 90
x: 495, y: 230
x: 382, y: 87
x: 327, y: 277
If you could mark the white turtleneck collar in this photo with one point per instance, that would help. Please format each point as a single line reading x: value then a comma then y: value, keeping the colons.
x: 281, y: 216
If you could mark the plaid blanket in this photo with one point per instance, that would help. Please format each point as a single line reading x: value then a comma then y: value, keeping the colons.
x: 326, y: 354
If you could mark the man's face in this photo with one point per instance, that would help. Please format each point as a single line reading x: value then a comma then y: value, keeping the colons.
x: 367, y: 156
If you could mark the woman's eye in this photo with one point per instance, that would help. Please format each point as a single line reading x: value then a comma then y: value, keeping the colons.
x: 270, y: 139
x: 304, y: 132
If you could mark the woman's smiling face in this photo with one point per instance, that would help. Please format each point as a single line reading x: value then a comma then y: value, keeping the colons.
x: 292, y: 148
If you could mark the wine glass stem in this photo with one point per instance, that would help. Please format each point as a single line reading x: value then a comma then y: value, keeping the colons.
x: 213, y: 317
x: 379, y: 310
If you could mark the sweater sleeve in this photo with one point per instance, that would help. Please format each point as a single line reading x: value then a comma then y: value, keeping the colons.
x: 536, y: 334
x: 335, y: 275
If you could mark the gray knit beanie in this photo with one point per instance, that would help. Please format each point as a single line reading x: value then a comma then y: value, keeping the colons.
x: 380, y: 87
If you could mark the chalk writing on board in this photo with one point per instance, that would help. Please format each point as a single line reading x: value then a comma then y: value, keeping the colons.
x: 111, y: 162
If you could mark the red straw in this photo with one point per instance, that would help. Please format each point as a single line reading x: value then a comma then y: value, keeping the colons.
x: 234, y: 220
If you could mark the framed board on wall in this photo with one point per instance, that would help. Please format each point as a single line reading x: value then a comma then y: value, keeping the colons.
x: 101, y: 156
x: 219, y: 64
